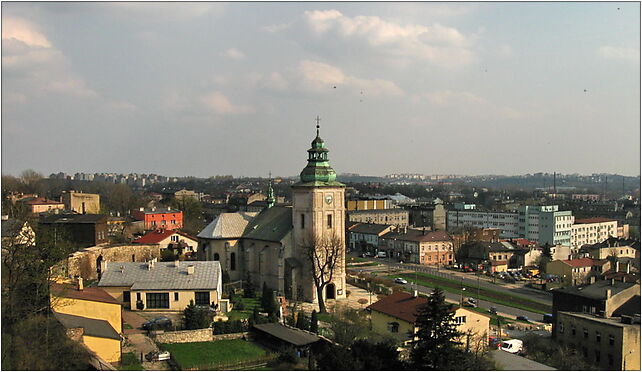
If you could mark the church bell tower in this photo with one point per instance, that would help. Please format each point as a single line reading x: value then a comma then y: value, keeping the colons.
x: 318, y: 210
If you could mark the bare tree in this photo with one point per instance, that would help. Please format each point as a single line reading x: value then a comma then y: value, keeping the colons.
x: 326, y: 255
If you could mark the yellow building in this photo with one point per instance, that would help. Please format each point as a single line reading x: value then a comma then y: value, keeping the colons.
x: 572, y: 272
x: 91, y: 316
x: 609, y: 343
x: 366, y: 204
x: 395, y: 315
x: 158, y: 286
x: 82, y: 203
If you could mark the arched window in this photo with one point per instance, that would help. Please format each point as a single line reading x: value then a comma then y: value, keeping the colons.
x: 233, y: 261
x: 217, y: 257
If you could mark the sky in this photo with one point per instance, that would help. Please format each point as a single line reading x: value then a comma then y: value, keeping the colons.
x: 204, y: 89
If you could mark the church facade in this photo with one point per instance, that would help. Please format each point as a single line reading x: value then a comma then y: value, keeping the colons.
x: 286, y: 246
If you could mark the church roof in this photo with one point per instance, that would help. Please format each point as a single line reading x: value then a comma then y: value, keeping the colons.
x: 271, y: 224
x: 227, y: 225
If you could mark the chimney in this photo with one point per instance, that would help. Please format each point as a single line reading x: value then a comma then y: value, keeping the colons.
x: 103, y: 266
x: 617, y: 266
x: 190, y: 270
x: 612, y: 282
x: 80, y: 284
x: 608, y: 293
x: 592, y: 280
x: 423, y: 232
x: 415, y: 294
x: 628, y: 268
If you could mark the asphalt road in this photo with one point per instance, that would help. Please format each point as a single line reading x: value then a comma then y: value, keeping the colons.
x: 471, y: 280
x: 469, y: 284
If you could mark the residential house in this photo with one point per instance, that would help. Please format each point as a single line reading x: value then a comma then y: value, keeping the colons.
x: 394, y: 216
x: 157, y: 286
x: 186, y: 194
x: 159, y: 218
x: 16, y: 232
x: 91, y: 316
x: 609, y: 247
x: 83, y: 230
x: 80, y: 202
x: 576, y: 271
x: 429, y: 215
x: 177, y: 241
x: 601, y: 321
x: 418, y: 246
x: 366, y: 235
x: 37, y: 205
x: 489, y: 256
x: 395, y: 315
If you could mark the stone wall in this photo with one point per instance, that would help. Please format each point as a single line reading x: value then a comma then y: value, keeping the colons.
x: 84, y: 263
x: 195, y: 335
x: 179, y: 337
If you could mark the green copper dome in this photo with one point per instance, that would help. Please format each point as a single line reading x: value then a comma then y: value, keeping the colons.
x: 318, y: 168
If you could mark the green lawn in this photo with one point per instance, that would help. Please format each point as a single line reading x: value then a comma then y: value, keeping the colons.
x: 356, y: 259
x: 206, y: 355
x: 130, y: 362
x: 486, y: 294
x: 324, y: 317
x: 248, y: 307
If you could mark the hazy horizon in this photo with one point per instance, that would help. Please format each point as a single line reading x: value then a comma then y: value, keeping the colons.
x: 203, y: 89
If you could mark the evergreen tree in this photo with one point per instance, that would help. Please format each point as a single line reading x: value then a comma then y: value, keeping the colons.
x: 195, y: 318
x: 314, y: 322
x: 434, y: 344
x: 302, y: 321
x: 268, y: 302
x: 248, y: 287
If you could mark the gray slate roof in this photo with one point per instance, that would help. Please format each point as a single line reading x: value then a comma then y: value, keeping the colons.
x: 598, y: 289
x: 272, y: 224
x: 163, y: 276
x: 227, y: 225
x: 369, y: 228
x: 293, y: 336
x: 92, y: 327
x: 73, y: 218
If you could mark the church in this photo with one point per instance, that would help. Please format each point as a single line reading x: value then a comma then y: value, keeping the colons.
x: 274, y: 246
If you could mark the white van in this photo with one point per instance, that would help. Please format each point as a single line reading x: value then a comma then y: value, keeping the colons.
x: 381, y: 254
x: 512, y: 346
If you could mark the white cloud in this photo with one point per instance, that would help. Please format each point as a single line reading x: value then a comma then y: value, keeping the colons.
x: 436, y: 43
x: 467, y: 101
x: 74, y: 87
x: 222, y: 105
x: 321, y: 77
x: 22, y: 30
x: 276, y: 28
x: 234, y: 54
x: 621, y: 53
x: 164, y: 11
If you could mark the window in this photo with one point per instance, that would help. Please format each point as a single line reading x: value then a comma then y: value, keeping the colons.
x: 561, y: 327
x: 158, y: 300
x: 138, y: 298
x: 329, y: 221
x: 610, y: 356
x: 393, y: 327
x: 611, y: 340
x: 202, y: 298
x: 217, y: 257
x: 460, y: 319
x: 233, y: 261
x: 598, y: 336
x: 126, y: 296
x: 174, y: 238
x: 597, y: 356
x: 585, y: 333
x: 303, y: 221
x: 573, y: 331
x: 175, y: 296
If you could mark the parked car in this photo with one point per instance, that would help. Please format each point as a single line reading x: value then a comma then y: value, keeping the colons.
x: 512, y: 346
x: 523, y: 318
x: 548, y: 318
x: 401, y: 281
x: 471, y: 302
x: 161, y: 322
x: 493, y: 310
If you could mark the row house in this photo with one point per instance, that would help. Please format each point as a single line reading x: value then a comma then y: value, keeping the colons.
x: 366, y: 235
x: 419, y: 246
x: 159, y: 218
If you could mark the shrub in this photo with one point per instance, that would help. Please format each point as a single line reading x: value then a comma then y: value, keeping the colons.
x: 230, y: 326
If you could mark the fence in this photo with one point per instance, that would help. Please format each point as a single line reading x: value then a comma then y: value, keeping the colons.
x: 242, y: 365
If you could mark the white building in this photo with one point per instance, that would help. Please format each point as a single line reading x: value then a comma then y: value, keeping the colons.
x: 592, y: 230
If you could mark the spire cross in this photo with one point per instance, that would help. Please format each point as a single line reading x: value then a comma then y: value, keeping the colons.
x: 318, y: 119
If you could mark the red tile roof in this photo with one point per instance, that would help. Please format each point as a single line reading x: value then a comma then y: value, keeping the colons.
x: 87, y: 294
x: 156, y: 236
x: 42, y: 201
x: 579, y: 262
x: 400, y: 305
x: 594, y: 220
